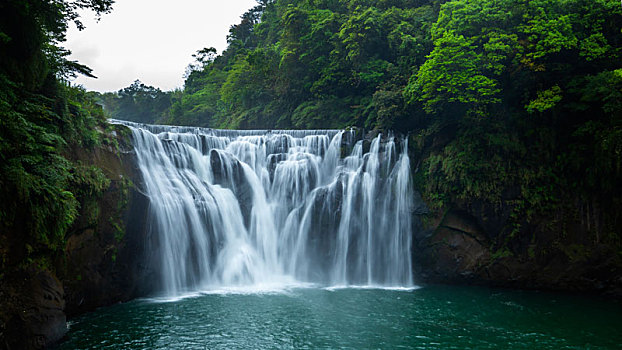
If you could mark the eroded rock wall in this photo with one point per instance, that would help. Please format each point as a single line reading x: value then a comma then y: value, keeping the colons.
x: 462, y: 247
x: 105, y: 257
x: 105, y: 260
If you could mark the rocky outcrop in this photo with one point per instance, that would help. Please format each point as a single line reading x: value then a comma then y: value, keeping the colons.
x: 34, y: 303
x: 106, y: 257
x: 105, y: 260
x: 228, y: 173
x: 463, y: 248
x: 455, y: 251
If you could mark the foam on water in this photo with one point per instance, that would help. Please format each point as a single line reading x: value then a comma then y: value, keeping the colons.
x: 379, y: 287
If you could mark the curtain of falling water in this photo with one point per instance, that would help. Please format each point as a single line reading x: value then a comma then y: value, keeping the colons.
x: 241, y: 208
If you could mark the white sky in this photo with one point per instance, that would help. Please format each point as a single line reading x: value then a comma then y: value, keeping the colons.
x: 150, y: 40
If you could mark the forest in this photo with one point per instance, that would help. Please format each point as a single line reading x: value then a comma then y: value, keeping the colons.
x: 44, y: 120
x: 514, y: 106
x: 512, y: 112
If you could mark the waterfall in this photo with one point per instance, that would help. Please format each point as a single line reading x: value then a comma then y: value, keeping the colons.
x: 241, y: 208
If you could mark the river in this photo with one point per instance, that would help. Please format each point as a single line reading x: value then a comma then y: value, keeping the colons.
x: 433, y: 317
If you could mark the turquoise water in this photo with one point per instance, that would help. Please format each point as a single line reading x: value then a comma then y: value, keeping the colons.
x: 435, y: 317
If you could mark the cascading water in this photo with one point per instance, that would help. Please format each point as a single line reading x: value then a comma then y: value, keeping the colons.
x: 242, y: 208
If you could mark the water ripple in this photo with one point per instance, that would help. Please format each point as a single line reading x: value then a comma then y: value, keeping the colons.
x: 316, y: 318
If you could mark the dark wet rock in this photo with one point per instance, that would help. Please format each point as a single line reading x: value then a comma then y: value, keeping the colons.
x: 105, y: 261
x: 273, y: 161
x: 455, y: 251
x: 327, y: 207
x: 461, y: 248
x: 419, y: 207
x: 278, y: 144
x: 228, y: 173
x: 32, y: 310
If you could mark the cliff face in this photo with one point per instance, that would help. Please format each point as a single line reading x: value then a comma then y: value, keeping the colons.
x: 104, y: 261
x: 473, y: 246
x: 32, y: 314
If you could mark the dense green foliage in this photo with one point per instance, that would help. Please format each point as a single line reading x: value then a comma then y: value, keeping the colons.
x: 138, y: 103
x: 311, y: 64
x: 532, y: 90
x: 42, y: 121
x: 514, y: 105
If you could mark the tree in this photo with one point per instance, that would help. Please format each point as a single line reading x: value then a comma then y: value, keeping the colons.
x: 138, y: 102
x: 41, y: 117
x: 30, y: 34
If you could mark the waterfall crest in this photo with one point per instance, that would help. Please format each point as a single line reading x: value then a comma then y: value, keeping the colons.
x: 240, y: 208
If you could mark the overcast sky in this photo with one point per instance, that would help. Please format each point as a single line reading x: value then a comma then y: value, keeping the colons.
x: 150, y: 40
